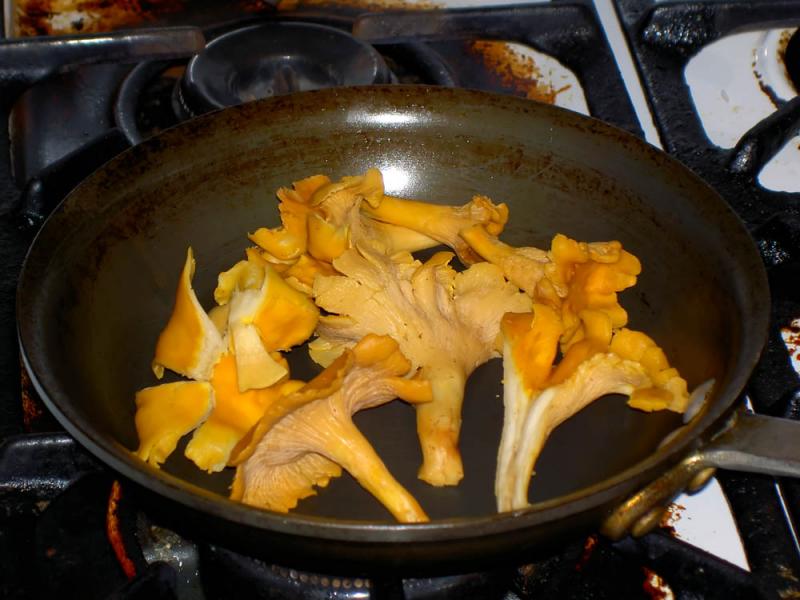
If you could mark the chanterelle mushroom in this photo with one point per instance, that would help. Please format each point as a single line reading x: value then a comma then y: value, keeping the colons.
x: 234, y: 414
x: 190, y: 344
x: 266, y: 314
x: 321, y: 219
x: 445, y: 322
x: 166, y: 412
x: 522, y: 266
x: 335, y: 222
x: 304, y: 438
x: 443, y: 223
x: 290, y: 240
x: 571, y: 277
x: 538, y: 398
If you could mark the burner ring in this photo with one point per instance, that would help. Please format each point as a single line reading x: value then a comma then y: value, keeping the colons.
x: 276, y: 58
x: 128, y: 95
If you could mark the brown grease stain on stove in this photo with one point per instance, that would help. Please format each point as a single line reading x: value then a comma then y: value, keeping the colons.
x: 671, y: 516
x: 655, y: 587
x: 516, y: 71
x: 36, y: 17
x: 767, y: 89
x: 783, y: 44
x: 32, y: 407
x: 588, y: 550
x: 792, y: 339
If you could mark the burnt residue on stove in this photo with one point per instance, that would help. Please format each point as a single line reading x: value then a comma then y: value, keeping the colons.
x: 767, y: 89
x: 571, y: 33
x: 655, y: 587
x: 790, y: 58
x: 35, y: 416
x: 671, y: 517
x: 51, y: 17
x: 114, y: 531
x: 783, y: 45
x: 792, y: 338
x: 59, y: 17
x: 32, y: 408
x: 515, y: 71
x: 588, y: 549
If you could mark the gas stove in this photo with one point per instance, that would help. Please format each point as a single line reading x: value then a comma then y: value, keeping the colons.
x: 663, y: 71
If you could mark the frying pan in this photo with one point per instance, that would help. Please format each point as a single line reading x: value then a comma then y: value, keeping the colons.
x: 98, y: 286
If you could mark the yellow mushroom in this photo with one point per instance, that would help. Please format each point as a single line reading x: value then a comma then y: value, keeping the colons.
x: 593, y: 285
x: 524, y: 267
x: 190, y: 344
x: 445, y: 322
x: 441, y: 222
x: 289, y: 241
x: 234, y: 414
x: 305, y: 438
x: 167, y: 412
x: 669, y: 390
x: 266, y: 314
x: 538, y: 396
x: 302, y: 273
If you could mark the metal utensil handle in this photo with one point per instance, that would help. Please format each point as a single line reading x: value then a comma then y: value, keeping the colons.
x: 751, y: 443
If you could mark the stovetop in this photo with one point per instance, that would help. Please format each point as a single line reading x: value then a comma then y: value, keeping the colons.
x: 66, y: 524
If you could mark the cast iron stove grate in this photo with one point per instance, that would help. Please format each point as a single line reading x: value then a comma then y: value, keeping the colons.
x: 663, y: 37
x: 67, y: 525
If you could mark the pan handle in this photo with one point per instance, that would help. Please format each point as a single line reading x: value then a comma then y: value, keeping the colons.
x: 750, y: 443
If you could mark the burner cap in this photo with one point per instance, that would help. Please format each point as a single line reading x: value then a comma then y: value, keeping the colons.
x: 271, y: 59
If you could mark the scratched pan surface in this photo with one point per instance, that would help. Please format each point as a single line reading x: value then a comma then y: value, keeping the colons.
x: 99, y: 282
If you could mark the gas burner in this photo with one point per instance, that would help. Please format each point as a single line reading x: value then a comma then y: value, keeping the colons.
x: 227, y: 574
x: 143, y: 106
x: 771, y: 67
x: 272, y: 59
x: 748, y: 82
x: 153, y: 96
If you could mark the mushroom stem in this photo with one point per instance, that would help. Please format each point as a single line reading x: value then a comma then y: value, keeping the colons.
x: 356, y: 455
x: 439, y: 426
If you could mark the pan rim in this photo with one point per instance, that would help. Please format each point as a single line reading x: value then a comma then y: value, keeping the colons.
x: 454, y: 529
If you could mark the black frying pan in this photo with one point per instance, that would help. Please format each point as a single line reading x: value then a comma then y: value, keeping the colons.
x: 99, y: 281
